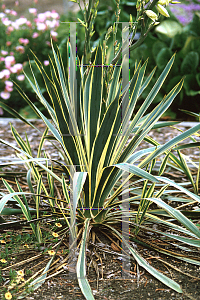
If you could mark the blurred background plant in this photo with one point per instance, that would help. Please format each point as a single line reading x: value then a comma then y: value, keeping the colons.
x: 18, y: 35
x: 168, y: 37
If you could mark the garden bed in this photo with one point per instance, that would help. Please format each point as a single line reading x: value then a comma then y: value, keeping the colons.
x: 137, y: 284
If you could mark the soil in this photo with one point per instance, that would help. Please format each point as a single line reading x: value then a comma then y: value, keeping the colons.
x: 137, y: 284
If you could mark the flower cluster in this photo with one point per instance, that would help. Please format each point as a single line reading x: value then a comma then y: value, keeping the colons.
x: 17, y: 36
x: 161, y: 9
x: 184, y: 11
x: 10, y: 67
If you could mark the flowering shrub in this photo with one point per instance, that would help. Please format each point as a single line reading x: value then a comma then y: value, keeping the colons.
x: 18, y: 36
x: 184, y: 11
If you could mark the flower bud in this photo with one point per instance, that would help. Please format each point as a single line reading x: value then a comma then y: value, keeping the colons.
x: 152, y: 15
x: 162, y: 10
x: 164, y: 2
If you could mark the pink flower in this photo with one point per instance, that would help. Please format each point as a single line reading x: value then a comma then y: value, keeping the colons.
x: 41, y: 26
x: 4, y: 74
x: 1, y: 111
x: 41, y: 18
x: 21, y: 21
x: 53, y: 33
x: 47, y: 14
x: 6, y: 21
x: 2, y: 15
x: 13, y: 12
x: 48, y: 43
x: 46, y: 62
x: 9, y: 86
x: 17, y: 68
x: 20, y: 77
x: 7, y: 11
x: 15, y: 25
x: 35, y: 35
x: 9, y: 29
x: 2, y: 58
x: 9, y: 83
x: 9, y: 60
x: 20, y: 49
x: 5, y: 95
x: 55, y: 15
x: 16, y: 3
x: 8, y: 43
x: 52, y: 24
x: 23, y: 41
x: 4, y: 52
x: 29, y: 24
x: 33, y: 11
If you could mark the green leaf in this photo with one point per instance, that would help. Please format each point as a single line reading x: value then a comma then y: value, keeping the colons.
x: 186, y: 146
x: 169, y: 28
x: 15, y: 211
x: 190, y: 63
x: 170, y: 144
x: 137, y: 171
x: 179, y: 187
x: 190, y: 85
x: 163, y: 57
x: 36, y: 283
x: 95, y: 97
x: 157, y: 47
x: 143, y: 263
x: 154, y: 91
x: 18, y: 162
x: 112, y: 93
x: 41, y: 165
x: 191, y: 113
x: 81, y: 265
x: 78, y: 183
x: 177, y: 215
x: 16, y: 114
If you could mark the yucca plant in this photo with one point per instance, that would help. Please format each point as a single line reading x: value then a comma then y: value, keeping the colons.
x: 106, y: 180
x: 100, y: 148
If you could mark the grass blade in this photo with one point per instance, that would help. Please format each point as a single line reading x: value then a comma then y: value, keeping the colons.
x: 137, y: 171
x: 35, y: 284
x: 177, y: 215
x: 81, y: 268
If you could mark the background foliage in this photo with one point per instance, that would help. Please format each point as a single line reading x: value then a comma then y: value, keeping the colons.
x: 34, y: 33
